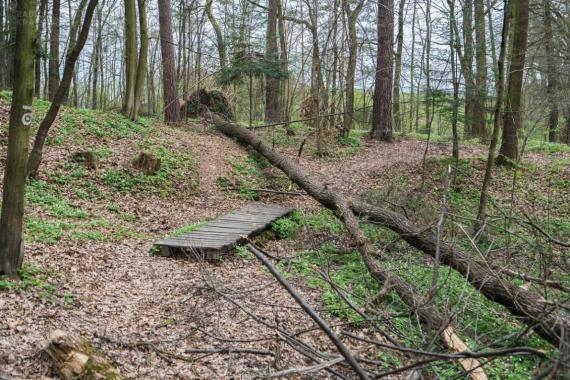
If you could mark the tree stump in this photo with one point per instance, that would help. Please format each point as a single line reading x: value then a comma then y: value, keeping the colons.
x: 87, y: 159
x: 74, y: 358
x: 147, y: 163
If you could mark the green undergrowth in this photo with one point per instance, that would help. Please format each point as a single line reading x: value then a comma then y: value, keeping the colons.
x: 72, y: 202
x: 43, y: 283
x: 54, y: 218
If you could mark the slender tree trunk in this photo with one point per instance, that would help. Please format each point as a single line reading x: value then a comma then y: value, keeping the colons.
x: 272, y: 111
x: 36, y: 155
x: 412, y: 69
x: 509, y: 151
x: 479, y: 115
x: 284, y: 58
x: 398, y: 69
x: 467, y: 65
x: 382, y: 110
x: 551, y: 72
x: 455, y: 82
x: 38, y: 65
x: 170, y: 88
x: 72, y: 39
x: 482, y: 213
x: 351, y: 16
x: 143, y: 54
x: 54, y: 50
x: 130, y: 57
x: 12, y: 214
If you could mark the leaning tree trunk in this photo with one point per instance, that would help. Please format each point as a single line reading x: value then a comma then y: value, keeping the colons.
x: 382, y: 110
x: 11, y: 217
x: 170, y: 90
x: 218, y: 32
x: 509, y: 151
x: 36, y: 155
x: 544, y: 317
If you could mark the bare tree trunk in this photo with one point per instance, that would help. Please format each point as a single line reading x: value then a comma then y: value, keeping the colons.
x: 479, y: 114
x: 352, y: 16
x: 169, y: 86
x: 13, y: 195
x: 141, y: 67
x: 509, y: 150
x: 272, y: 111
x: 382, y: 110
x: 131, y: 57
x: 467, y: 65
x: 38, y: 67
x: 54, y: 51
x: 551, y: 72
x: 482, y: 213
x: 398, y: 69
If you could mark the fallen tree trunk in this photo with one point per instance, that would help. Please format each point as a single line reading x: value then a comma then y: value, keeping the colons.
x: 545, y: 317
x: 336, y: 202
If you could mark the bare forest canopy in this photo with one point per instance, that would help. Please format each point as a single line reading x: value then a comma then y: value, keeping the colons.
x: 418, y: 153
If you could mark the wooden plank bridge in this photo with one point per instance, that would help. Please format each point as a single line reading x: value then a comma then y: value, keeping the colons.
x: 222, y: 234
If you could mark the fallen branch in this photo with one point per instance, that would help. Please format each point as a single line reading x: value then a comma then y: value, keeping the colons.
x: 529, y: 307
x: 350, y: 359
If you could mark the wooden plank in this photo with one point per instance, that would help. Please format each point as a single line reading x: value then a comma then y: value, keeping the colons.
x: 225, y: 232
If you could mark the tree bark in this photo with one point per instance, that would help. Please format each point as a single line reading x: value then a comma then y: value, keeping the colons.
x: 12, y: 214
x: 141, y: 67
x: 482, y: 213
x: 169, y: 86
x: 272, y: 111
x: 54, y: 51
x: 351, y: 16
x: 479, y: 127
x: 467, y: 65
x: 130, y: 57
x: 551, y: 72
x: 398, y: 68
x: 382, y: 109
x: 38, y: 65
x: 35, y: 158
x: 513, y: 120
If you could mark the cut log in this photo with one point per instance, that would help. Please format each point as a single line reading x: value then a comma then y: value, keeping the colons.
x: 546, y: 318
x: 147, y: 163
x: 74, y: 358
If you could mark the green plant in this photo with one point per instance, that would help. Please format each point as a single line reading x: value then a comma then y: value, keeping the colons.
x: 242, y: 252
x: 288, y: 226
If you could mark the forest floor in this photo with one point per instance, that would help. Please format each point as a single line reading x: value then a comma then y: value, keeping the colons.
x: 88, y: 270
